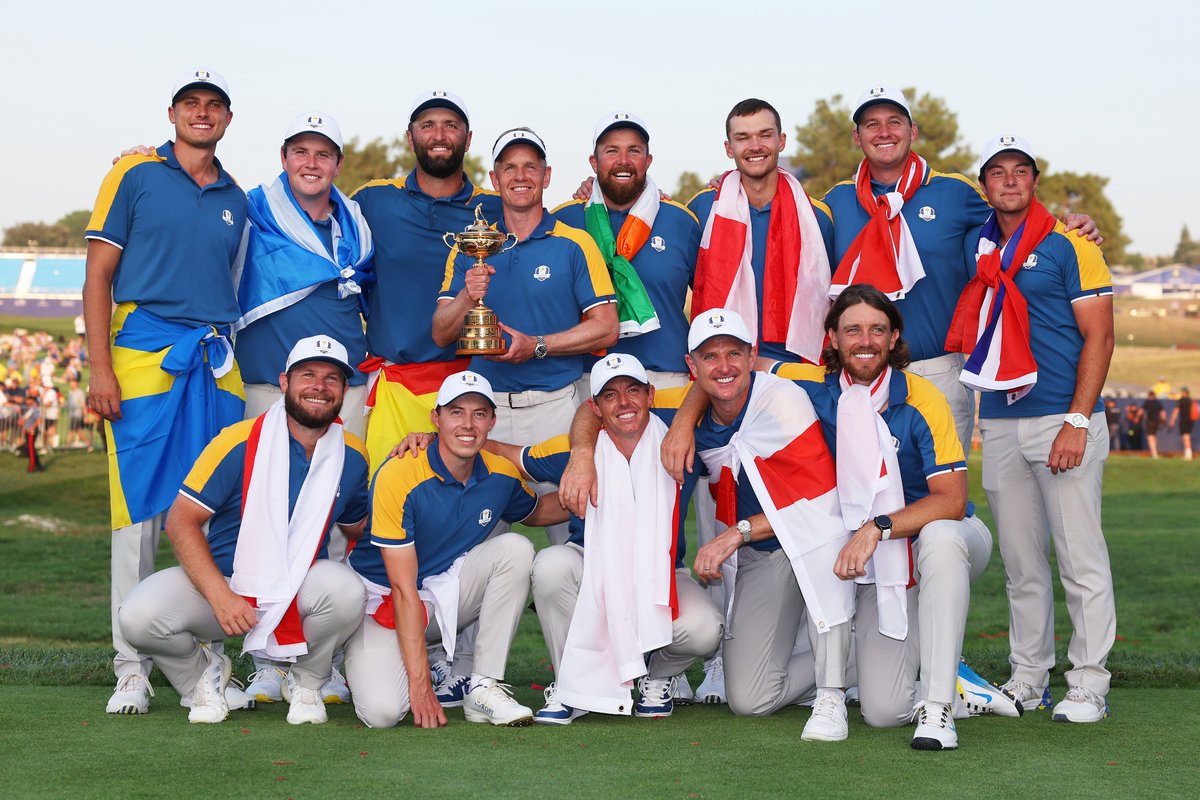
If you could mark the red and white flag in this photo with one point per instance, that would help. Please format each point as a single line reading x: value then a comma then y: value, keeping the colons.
x: 780, y: 448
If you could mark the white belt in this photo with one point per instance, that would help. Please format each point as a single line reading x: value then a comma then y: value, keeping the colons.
x: 532, y: 397
x: 937, y: 365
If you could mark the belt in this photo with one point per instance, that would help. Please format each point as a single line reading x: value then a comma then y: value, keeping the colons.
x: 532, y: 397
x: 937, y: 365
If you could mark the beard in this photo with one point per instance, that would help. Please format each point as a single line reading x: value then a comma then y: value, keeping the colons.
x: 441, y: 166
x: 620, y: 194
x: 310, y: 418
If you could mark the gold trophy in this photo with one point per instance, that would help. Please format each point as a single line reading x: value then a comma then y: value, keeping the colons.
x: 481, y: 328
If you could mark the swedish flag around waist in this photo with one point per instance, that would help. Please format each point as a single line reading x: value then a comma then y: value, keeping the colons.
x: 179, y: 387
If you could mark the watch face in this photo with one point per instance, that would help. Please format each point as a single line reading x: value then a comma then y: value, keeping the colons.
x: 883, y: 521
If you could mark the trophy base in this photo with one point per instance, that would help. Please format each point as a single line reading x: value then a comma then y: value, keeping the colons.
x: 484, y: 347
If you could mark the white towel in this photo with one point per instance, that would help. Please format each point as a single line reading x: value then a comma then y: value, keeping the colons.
x: 273, y: 552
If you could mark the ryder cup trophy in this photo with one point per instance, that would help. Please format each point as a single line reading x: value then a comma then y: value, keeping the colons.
x: 481, y: 329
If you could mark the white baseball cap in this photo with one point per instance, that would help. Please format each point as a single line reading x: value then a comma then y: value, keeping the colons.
x: 1006, y: 144
x: 517, y: 136
x: 718, y: 322
x: 439, y: 98
x: 880, y: 94
x: 619, y: 119
x: 315, y: 122
x: 465, y: 382
x: 616, y: 365
x: 321, y: 347
x: 201, y: 79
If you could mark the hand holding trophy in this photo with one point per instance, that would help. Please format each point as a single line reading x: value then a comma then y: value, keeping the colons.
x: 480, y: 334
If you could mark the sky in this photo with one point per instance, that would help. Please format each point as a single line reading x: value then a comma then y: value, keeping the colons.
x: 1094, y: 86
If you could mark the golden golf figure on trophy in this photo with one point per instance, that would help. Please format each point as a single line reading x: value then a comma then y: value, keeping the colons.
x: 480, y: 334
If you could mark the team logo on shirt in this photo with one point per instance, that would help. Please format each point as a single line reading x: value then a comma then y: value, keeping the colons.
x: 927, y: 213
x: 227, y: 215
x: 485, y: 516
x: 895, y: 444
x: 658, y: 243
x: 541, y: 273
x: 1030, y: 262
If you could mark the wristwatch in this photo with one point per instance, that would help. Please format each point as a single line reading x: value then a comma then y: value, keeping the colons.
x: 1076, y: 420
x: 884, y: 523
x: 539, y: 349
x: 743, y: 528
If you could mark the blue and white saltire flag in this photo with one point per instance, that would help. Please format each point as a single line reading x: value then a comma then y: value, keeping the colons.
x: 285, y: 257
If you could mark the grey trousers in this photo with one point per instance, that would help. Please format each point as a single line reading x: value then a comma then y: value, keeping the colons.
x: 695, y: 633
x: 764, y: 668
x: 949, y: 555
x: 943, y: 373
x: 134, y: 548
x: 167, y: 618
x: 1032, y: 507
x: 493, y: 587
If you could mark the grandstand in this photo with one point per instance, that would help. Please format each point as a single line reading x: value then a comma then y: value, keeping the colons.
x: 42, y: 281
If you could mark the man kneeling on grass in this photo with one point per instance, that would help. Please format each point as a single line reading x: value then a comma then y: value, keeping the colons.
x: 430, y: 568
x: 263, y: 570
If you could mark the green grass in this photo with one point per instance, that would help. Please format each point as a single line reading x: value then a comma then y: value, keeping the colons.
x: 55, y: 677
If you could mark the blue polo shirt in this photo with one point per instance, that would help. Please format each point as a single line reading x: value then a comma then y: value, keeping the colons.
x: 407, y: 226
x: 178, y: 241
x: 416, y: 501
x: 940, y: 216
x: 547, y: 460
x: 1062, y: 270
x: 760, y: 220
x: 666, y: 264
x: 917, y: 415
x: 216, y: 481
x: 262, y: 347
x: 543, y: 285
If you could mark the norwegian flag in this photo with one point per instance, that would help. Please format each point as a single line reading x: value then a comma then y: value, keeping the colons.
x: 780, y: 448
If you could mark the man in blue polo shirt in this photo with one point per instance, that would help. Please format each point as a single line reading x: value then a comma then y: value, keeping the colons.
x: 262, y: 570
x: 916, y: 544
x: 659, y: 239
x: 624, y: 399
x: 543, y: 286
x: 162, y: 241
x: 431, y: 568
x: 308, y: 261
x: 1045, y: 438
x: 408, y: 217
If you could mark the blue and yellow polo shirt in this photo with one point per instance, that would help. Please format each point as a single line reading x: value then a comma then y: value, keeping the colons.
x: 178, y: 241
x: 547, y: 460
x: 416, y: 501
x: 666, y: 263
x: 760, y: 220
x: 407, y: 226
x: 543, y: 285
x: 216, y: 483
x: 917, y: 414
x: 1061, y: 271
x: 940, y: 216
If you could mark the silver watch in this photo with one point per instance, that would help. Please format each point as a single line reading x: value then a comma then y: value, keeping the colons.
x: 743, y: 527
x: 539, y: 349
x: 1076, y: 420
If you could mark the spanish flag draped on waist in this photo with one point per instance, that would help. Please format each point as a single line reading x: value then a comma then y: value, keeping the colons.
x: 179, y: 387
x: 399, y: 399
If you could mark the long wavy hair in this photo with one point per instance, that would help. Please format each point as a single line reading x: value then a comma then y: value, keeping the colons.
x: 852, y: 296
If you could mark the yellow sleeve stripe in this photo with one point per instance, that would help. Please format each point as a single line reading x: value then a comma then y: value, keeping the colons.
x: 448, y: 274
x: 819, y: 205
x: 479, y: 190
x: 112, y: 182
x: 933, y: 407
x: 671, y: 397
x: 682, y: 207
x: 397, y: 182
x: 800, y: 372
x: 552, y: 446
x: 215, y: 453
x: 561, y: 206
x: 394, y: 482
x: 831, y: 188
x: 1093, y: 269
x: 355, y: 444
x: 959, y: 177
x: 597, y: 269
x: 499, y: 465
x: 697, y: 194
